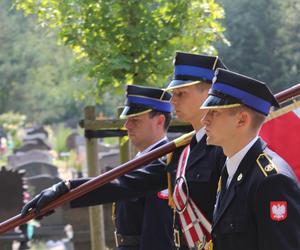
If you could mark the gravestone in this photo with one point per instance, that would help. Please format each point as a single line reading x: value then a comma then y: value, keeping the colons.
x: 51, y: 227
x: 12, y: 190
x: 38, y: 168
x: 41, y: 182
x: 31, y: 156
x: 34, y: 137
x: 80, y: 221
x: 33, y: 144
x: 109, y: 159
x: 11, y: 185
x: 71, y: 141
x: 37, y: 129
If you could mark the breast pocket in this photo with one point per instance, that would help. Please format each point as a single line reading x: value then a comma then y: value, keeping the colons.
x: 234, y: 224
x: 198, y: 174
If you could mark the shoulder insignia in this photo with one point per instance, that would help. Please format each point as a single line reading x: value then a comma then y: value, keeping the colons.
x: 266, y: 165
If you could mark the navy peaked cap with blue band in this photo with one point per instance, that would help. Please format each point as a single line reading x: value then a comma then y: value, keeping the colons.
x: 192, y: 68
x: 140, y: 99
x: 231, y: 89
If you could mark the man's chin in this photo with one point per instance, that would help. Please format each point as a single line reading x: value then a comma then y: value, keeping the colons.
x: 181, y: 117
x: 210, y: 141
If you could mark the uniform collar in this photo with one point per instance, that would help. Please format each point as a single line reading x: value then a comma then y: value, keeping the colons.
x: 151, y: 147
x: 199, y: 134
x: 234, y: 161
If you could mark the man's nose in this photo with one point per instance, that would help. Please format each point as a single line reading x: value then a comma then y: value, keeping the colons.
x: 205, y: 118
x: 126, y: 125
x: 173, y: 99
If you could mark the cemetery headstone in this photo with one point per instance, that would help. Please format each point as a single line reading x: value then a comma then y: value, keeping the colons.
x: 35, y: 155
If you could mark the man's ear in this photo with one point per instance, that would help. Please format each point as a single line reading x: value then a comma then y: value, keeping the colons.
x: 161, y: 120
x: 243, y: 119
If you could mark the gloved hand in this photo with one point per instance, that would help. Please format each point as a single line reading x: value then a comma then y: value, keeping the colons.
x: 45, y: 197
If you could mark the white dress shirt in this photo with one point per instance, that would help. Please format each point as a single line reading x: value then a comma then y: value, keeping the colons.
x: 234, y: 161
x: 150, y: 147
x: 199, y: 134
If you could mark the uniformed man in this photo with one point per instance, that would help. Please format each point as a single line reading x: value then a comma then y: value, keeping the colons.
x: 198, y: 165
x: 258, y: 204
x: 143, y: 220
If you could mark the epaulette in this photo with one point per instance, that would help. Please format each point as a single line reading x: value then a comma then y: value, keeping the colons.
x: 266, y: 165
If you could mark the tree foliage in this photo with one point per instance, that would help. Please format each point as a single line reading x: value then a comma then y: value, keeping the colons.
x: 37, y: 76
x: 133, y: 41
x: 264, y: 39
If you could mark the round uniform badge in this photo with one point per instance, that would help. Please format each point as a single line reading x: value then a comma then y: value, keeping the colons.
x: 240, y: 177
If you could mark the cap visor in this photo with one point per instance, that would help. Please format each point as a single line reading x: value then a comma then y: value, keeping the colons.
x: 214, y: 102
x: 174, y: 84
x: 133, y: 111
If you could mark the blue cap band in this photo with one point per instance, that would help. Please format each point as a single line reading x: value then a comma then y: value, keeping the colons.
x: 194, y: 71
x: 246, y: 98
x: 159, y: 105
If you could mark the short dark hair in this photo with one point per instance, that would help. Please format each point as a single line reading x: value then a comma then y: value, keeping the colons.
x: 167, y: 116
x: 257, y: 118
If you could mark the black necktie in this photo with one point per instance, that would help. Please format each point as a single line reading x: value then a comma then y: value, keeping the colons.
x: 193, y: 142
x: 224, y: 178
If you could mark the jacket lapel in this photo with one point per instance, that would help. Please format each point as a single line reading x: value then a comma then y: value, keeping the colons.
x: 238, y: 178
x: 197, y: 152
x: 160, y: 144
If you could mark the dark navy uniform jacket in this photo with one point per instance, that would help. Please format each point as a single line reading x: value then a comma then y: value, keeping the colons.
x: 139, y: 211
x: 247, y: 218
x: 202, y: 174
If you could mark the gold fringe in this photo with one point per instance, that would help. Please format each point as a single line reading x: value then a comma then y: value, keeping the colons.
x: 209, y: 245
x: 170, y: 186
x: 294, y: 105
x: 113, y: 213
x: 170, y: 189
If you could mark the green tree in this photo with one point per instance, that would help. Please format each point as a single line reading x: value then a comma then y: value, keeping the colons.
x: 134, y: 41
x: 37, y: 75
x: 288, y: 50
x: 263, y: 36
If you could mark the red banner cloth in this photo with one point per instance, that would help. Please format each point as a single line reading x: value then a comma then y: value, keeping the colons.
x: 282, y: 134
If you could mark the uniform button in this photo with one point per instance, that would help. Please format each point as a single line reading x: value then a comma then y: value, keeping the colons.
x: 214, y: 235
x: 198, y: 175
x: 231, y: 226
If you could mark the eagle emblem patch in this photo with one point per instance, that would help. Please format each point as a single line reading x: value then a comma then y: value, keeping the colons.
x: 278, y: 210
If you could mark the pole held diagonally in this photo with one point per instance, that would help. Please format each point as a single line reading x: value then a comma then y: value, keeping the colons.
x: 99, y: 181
x: 120, y: 170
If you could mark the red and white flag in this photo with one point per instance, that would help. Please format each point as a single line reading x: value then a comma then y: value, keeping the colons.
x: 282, y: 134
